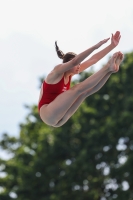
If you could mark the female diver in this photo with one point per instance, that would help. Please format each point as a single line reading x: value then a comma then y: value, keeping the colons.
x: 57, y: 101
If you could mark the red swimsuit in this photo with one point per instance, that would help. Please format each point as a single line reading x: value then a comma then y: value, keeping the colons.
x: 51, y: 91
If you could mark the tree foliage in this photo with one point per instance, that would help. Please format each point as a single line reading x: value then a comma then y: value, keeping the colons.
x: 89, y: 157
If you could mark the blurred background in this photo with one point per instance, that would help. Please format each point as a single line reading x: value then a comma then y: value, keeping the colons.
x: 91, y: 151
x: 27, y: 35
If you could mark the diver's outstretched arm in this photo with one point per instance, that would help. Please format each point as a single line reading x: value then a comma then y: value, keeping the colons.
x: 98, y: 56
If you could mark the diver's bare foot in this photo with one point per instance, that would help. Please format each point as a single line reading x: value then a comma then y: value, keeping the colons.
x: 118, y: 61
x: 111, y: 63
x: 115, y: 62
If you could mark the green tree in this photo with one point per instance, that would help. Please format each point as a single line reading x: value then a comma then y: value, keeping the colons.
x: 89, y: 157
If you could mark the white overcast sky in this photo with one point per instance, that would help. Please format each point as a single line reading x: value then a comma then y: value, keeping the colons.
x: 28, y: 29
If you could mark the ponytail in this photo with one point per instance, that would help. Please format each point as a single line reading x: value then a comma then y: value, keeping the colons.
x: 58, y: 51
x: 65, y: 57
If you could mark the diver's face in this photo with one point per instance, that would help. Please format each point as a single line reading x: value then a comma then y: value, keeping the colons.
x: 76, y: 69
